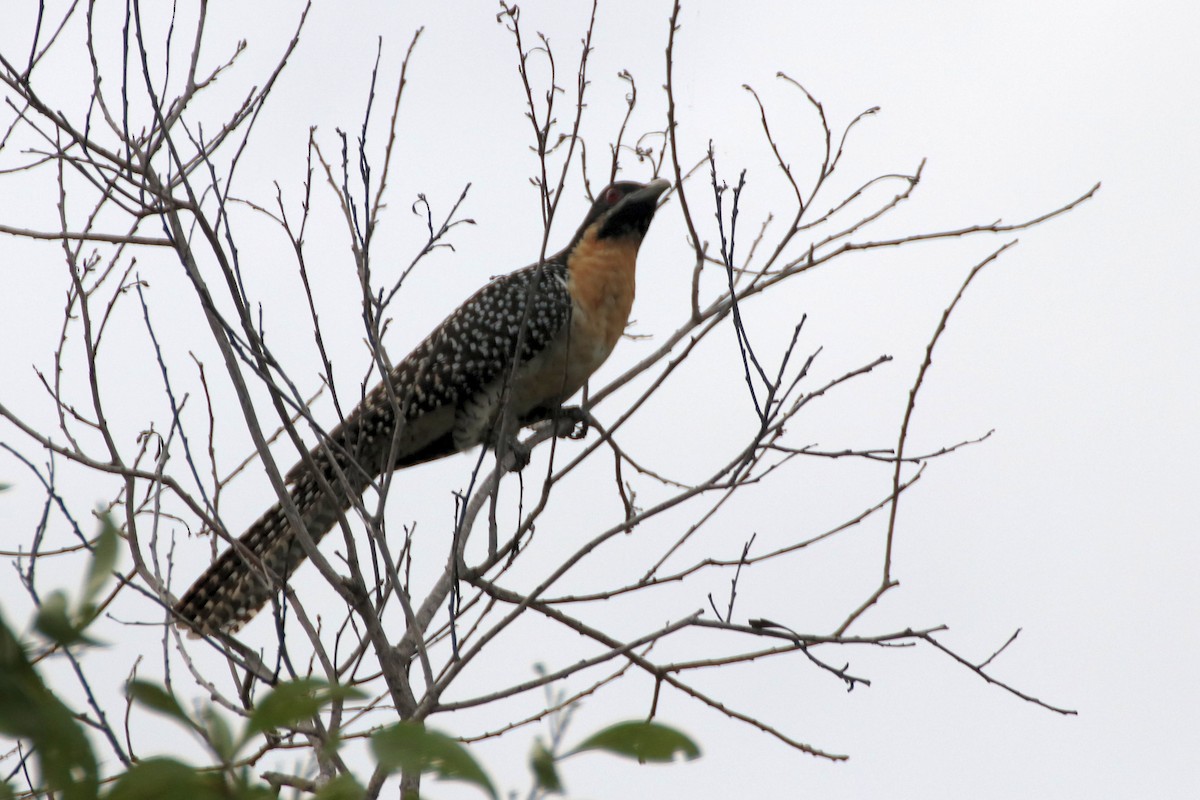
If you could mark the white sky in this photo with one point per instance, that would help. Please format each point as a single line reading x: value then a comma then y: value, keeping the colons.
x: 1079, y: 347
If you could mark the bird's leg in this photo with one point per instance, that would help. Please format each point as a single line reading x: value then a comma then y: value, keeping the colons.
x: 515, y: 454
x: 570, y: 422
x: 511, y: 453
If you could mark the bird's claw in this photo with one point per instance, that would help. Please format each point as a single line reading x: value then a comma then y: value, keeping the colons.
x: 572, y: 423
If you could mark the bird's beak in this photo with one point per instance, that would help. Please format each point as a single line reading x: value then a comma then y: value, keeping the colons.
x: 633, y: 213
x: 642, y: 203
x: 648, y: 194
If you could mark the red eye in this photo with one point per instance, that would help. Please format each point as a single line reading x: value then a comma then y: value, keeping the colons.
x: 611, y: 195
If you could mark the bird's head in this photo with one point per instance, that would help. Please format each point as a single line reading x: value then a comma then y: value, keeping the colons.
x: 623, y: 210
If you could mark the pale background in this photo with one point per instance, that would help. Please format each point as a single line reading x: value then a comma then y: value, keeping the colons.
x: 1074, y: 522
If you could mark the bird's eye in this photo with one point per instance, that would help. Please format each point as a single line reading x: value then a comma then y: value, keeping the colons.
x: 611, y: 195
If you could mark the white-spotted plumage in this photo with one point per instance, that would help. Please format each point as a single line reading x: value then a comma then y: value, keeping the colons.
x: 531, y: 338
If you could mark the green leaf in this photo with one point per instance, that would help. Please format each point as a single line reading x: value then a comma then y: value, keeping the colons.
x: 53, y: 621
x: 295, y: 701
x: 104, y: 558
x: 286, y: 704
x: 220, y: 737
x: 343, y: 787
x: 411, y: 747
x: 292, y: 702
x: 156, y: 698
x: 29, y: 711
x: 645, y: 741
x: 541, y: 761
x: 156, y: 778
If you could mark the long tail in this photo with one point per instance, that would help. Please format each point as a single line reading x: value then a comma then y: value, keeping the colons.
x: 235, y: 588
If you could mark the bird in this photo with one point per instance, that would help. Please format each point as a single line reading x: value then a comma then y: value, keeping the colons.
x: 509, y: 356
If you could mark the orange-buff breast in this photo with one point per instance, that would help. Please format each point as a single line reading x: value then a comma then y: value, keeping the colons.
x: 602, y: 285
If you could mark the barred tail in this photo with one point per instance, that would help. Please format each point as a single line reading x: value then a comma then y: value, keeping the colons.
x: 235, y: 588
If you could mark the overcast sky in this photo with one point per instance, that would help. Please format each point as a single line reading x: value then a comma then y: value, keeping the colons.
x: 1074, y: 522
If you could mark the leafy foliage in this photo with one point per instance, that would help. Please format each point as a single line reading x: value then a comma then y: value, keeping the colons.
x: 56, y: 619
x: 645, y: 741
x: 411, y: 747
x: 29, y: 711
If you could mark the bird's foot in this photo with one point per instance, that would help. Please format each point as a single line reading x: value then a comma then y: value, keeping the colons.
x: 571, y: 422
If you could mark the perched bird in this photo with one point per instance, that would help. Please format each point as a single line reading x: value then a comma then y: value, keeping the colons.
x: 509, y: 356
